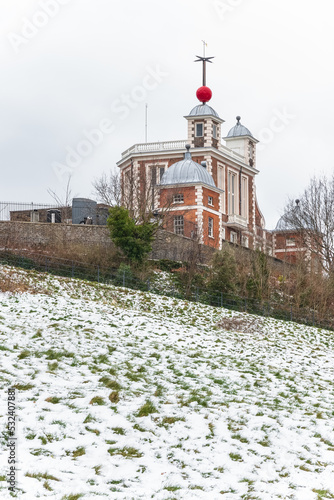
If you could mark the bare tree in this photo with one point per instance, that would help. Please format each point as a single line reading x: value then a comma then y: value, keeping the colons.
x: 135, y: 189
x: 313, y: 219
x: 108, y: 190
x: 64, y: 202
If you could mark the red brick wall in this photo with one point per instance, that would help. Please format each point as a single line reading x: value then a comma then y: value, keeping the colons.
x: 211, y: 242
x: 166, y: 196
x: 208, y: 192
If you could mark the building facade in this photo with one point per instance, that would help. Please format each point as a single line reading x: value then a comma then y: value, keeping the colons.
x: 204, y: 188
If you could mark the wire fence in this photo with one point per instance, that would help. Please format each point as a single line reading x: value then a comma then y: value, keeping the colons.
x: 26, y: 212
x: 124, y: 278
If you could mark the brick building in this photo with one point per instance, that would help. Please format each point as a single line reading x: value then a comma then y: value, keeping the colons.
x: 209, y: 187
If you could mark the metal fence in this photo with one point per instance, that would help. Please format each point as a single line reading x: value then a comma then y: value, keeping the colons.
x: 123, y: 277
x: 10, y: 210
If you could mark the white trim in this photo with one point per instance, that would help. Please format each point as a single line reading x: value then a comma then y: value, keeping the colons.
x: 244, y: 198
x: 236, y: 192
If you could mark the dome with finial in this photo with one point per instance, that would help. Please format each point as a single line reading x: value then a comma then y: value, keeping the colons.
x: 239, y: 130
x: 289, y: 221
x: 187, y: 171
x: 203, y: 110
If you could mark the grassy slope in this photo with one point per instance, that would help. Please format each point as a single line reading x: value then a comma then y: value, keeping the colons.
x: 128, y: 395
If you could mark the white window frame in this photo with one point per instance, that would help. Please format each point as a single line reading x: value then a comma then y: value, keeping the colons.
x: 245, y: 241
x: 178, y: 198
x: 290, y: 241
x: 233, y: 237
x: 251, y: 150
x: 214, y: 131
x: 210, y: 202
x: 202, y: 124
x: 210, y: 227
x: 244, y: 197
x: 179, y: 224
x: 233, y: 198
x: 158, y: 166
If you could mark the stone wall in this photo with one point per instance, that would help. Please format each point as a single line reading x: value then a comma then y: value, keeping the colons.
x: 53, y: 237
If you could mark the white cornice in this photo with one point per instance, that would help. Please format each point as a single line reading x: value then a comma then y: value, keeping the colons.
x: 219, y: 154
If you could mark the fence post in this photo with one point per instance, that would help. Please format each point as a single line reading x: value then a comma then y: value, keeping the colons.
x: 221, y: 298
x: 291, y: 313
x: 124, y: 278
x: 245, y: 305
x: 148, y: 284
x: 196, y: 294
x: 72, y: 269
x: 98, y: 274
x: 46, y: 264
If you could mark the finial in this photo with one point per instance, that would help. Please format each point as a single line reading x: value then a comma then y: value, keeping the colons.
x: 188, y: 147
x: 187, y: 155
x: 297, y: 202
x: 238, y: 120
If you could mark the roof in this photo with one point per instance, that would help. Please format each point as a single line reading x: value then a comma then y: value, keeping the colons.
x: 203, y: 110
x: 293, y: 220
x: 187, y: 171
x: 239, y: 130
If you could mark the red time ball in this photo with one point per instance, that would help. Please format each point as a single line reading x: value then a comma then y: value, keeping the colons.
x: 204, y: 94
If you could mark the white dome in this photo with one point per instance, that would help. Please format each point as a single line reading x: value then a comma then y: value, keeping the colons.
x: 187, y: 171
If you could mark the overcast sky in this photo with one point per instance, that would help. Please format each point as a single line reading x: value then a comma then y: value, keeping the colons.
x: 69, y: 67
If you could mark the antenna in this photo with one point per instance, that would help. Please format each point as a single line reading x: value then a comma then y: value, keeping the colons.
x: 146, y: 106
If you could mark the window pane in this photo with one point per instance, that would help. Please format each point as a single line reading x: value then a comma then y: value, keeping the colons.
x: 178, y: 224
x: 199, y: 129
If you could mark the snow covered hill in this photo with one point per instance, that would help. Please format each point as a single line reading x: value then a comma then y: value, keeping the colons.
x: 130, y: 395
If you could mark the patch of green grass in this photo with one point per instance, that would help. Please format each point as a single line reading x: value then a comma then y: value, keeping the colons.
x: 110, y: 384
x: 23, y: 387
x: 171, y: 420
x: 172, y: 488
x: 114, y: 397
x: 31, y: 436
x: 126, y: 452
x: 38, y: 334
x: 240, y: 438
x: 89, y: 419
x: 79, y: 452
x: 101, y: 359
x: 24, y: 354
x: 137, y: 427
x: 53, y: 366
x: 54, y: 400
x: 146, y: 409
x: 39, y: 475
x: 57, y: 355
x: 58, y: 422
x: 159, y: 391
x: 72, y: 497
x: 134, y: 376
x: 119, y: 430
x: 97, y: 401
x: 97, y: 469
x: 94, y: 431
x: 323, y: 494
x: 236, y: 457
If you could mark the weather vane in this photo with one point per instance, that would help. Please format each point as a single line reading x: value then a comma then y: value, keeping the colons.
x: 204, y: 59
x: 204, y: 94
